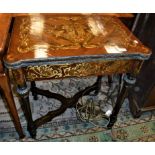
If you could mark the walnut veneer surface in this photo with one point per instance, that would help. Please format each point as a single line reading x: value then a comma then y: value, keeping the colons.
x: 5, y: 19
x: 41, y: 37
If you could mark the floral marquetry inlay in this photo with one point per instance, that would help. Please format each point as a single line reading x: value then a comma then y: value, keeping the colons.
x: 62, y: 33
x: 48, y: 37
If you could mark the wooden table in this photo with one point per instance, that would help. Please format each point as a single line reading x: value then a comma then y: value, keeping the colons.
x: 5, y: 20
x: 61, y: 46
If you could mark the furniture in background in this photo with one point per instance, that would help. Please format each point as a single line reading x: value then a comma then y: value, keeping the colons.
x: 142, y: 95
x: 61, y: 46
x: 5, y: 21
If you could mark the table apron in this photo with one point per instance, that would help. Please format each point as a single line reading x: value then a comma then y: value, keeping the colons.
x: 40, y: 72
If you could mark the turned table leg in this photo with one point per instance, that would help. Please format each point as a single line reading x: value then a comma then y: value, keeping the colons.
x: 129, y: 81
x: 5, y: 86
x: 23, y: 91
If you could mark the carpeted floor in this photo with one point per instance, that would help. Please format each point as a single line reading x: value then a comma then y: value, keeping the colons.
x: 68, y: 127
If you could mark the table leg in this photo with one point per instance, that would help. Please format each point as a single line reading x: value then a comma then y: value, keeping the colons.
x: 23, y: 91
x: 33, y: 86
x: 98, y: 82
x: 5, y: 86
x: 109, y: 80
x: 129, y: 81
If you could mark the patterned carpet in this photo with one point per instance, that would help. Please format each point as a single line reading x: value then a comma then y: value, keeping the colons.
x: 68, y: 127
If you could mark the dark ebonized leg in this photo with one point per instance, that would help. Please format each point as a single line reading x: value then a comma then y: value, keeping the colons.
x: 98, y: 82
x: 33, y: 86
x: 23, y: 91
x: 24, y: 96
x: 27, y: 111
x: 109, y: 80
x: 129, y: 81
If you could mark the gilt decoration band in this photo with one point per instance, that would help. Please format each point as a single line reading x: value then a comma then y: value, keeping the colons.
x: 81, y: 69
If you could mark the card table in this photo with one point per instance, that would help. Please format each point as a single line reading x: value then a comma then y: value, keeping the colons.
x: 66, y: 45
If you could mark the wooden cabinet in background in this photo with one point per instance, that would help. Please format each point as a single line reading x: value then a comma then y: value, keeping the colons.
x: 142, y: 96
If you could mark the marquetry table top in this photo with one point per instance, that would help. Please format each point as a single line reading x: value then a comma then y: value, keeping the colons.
x: 5, y: 20
x: 45, y: 38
